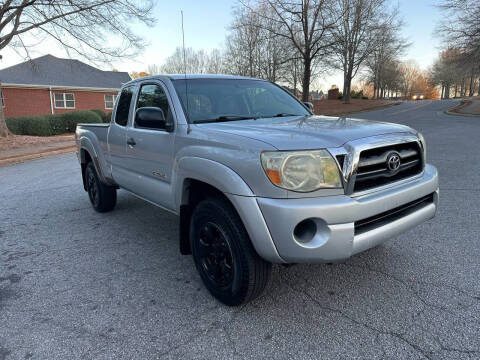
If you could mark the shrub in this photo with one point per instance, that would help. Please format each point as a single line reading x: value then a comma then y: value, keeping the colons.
x: 47, y: 125
x: 105, y: 116
x: 57, y: 125
x: 101, y: 113
x: 365, y: 97
x: 30, y: 125
x: 340, y: 95
x: 71, y: 119
x: 356, y: 94
x: 14, y: 125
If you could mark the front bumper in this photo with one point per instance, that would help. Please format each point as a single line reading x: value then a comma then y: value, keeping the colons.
x: 334, y: 236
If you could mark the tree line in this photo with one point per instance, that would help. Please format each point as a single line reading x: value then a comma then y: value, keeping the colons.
x: 457, y: 68
x: 293, y: 42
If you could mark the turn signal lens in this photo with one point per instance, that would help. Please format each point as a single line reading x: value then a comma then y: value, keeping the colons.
x: 274, y: 176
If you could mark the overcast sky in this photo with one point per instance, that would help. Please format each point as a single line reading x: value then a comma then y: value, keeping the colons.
x: 206, y: 24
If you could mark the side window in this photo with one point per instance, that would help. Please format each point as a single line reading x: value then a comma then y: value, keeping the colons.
x: 152, y: 95
x: 123, y: 107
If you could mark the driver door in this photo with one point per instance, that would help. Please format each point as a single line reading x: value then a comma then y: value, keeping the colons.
x: 149, y: 151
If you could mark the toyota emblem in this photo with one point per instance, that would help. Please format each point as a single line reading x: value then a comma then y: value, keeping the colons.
x: 393, y: 161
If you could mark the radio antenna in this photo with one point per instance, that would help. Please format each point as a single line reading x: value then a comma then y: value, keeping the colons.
x: 185, y: 72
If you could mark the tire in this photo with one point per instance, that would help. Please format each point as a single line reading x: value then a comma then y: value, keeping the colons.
x: 228, y: 264
x: 102, y: 197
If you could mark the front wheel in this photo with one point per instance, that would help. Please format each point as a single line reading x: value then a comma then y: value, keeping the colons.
x: 224, y: 256
x: 102, y: 197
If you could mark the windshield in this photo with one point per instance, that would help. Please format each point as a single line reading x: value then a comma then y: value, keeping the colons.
x: 211, y: 100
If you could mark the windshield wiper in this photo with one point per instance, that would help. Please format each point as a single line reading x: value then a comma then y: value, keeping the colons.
x: 225, y: 118
x: 285, y: 115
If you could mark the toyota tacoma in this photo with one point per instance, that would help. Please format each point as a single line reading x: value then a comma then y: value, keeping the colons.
x: 254, y: 176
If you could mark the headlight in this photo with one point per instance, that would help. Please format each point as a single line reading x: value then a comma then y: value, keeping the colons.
x: 424, y: 146
x: 301, y: 171
x: 414, y: 97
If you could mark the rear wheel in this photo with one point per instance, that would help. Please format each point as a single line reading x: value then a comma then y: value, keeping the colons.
x: 224, y: 256
x: 102, y: 197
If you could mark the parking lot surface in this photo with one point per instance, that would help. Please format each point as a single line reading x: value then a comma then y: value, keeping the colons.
x: 75, y: 284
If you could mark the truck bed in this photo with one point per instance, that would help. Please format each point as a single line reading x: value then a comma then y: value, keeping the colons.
x: 98, y: 131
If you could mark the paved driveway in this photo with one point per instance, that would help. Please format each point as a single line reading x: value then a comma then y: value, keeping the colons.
x: 75, y: 284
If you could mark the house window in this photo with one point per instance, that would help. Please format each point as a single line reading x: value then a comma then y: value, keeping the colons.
x: 64, y: 101
x: 110, y: 101
x: 3, y: 100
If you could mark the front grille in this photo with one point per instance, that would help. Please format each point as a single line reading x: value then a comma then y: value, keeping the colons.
x: 373, y: 169
x: 386, y: 217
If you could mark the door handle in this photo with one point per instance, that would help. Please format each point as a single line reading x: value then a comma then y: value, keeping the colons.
x: 131, y: 142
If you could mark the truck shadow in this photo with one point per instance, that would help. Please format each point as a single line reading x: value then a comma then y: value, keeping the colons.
x: 368, y: 275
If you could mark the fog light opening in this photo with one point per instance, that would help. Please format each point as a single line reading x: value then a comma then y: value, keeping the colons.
x: 305, y: 231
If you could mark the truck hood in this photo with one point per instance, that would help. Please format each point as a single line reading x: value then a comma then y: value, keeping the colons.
x: 313, y: 132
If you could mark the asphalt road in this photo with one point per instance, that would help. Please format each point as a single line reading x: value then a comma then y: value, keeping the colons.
x: 75, y: 284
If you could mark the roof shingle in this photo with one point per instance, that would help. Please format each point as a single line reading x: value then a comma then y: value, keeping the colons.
x: 52, y: 71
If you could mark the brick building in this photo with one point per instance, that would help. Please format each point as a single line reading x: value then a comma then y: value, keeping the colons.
x: 50, y: 85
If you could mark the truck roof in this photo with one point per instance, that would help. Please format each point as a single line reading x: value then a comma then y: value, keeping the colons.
x: 194, y: 76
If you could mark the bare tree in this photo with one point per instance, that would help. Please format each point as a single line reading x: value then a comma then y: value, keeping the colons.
x: 215, y: 62
x: 251, y: 49
x: 3, y: 125
x: 354, y: 38
x: 382, y: 64
x: 294, y: 73
x: 305, y: 25
x: 77, y: 25
x: 154, y: 69
x: 460, y: 30
x: 194, y: 62
x: 451, y: 71
x: 243, y: 42
x: 409, y: 74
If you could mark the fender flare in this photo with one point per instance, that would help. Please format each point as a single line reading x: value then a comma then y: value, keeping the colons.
x: 208, y: 171
x: 86, y: 145
x: 238, y: 193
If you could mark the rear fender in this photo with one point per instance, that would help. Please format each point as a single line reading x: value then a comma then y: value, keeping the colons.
x: 87, y: 152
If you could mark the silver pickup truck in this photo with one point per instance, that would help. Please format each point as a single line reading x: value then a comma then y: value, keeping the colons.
x: 254, y: 176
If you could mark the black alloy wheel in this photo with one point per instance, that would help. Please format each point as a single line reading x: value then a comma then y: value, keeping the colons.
x: 225, y: 258
x: 216, y: 255
x: 102, y: 197
x: 92, y: 187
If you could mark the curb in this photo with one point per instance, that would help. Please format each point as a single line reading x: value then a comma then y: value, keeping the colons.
x: 452, y: 113
x: 22, y: 158
x: 459, y: 106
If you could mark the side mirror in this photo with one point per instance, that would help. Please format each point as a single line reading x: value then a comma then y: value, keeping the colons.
x: 152, y: 118
x: 309, y: 105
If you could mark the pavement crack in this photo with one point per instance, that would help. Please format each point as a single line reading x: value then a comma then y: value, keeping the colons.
x: 407, y: 282
x: 230, y: 341
x: 189, y: 340
x: 217, y: 324
x: 397, y: 335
